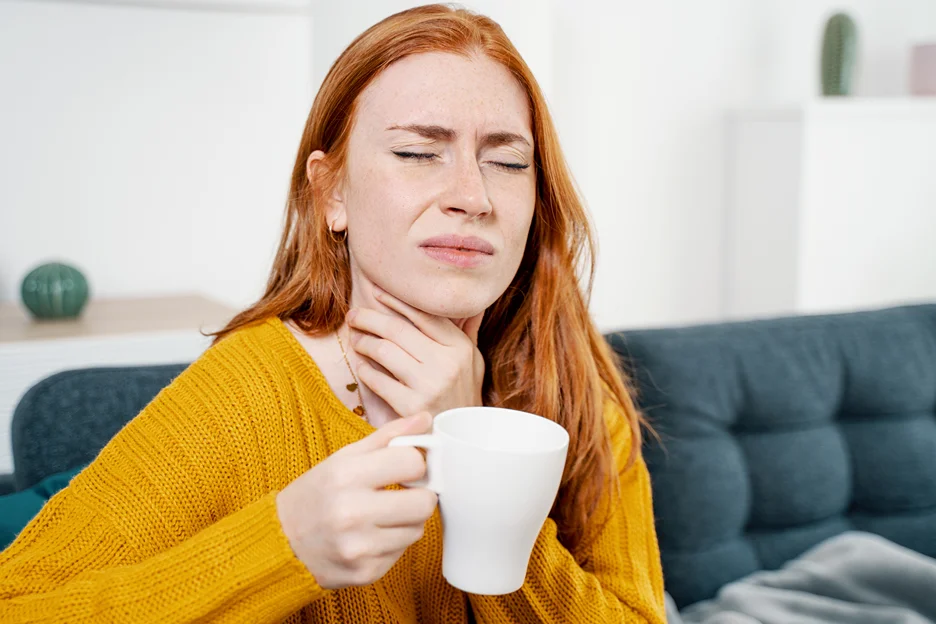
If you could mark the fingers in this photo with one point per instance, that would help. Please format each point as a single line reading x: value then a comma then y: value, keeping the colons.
x: 387, y: 466
x: 401, y: 508
x: 402, y: 398
x: 411, y: 425
x: 435, y: 327
x: 396, y: 539
x: 392, y: 329
x: 472, y: 326
x: 399, y: 362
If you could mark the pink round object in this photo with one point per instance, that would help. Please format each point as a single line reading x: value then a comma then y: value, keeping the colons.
x: 923, y: 69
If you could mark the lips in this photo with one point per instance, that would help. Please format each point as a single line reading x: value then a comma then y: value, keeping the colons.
x: 459, y: 243
x: 463, y: 252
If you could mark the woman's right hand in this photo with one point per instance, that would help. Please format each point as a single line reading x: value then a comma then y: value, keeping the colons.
x: 339, y: 520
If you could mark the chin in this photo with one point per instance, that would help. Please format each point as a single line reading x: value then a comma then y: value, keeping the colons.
x: 452, y: 307
x: 451, y: 310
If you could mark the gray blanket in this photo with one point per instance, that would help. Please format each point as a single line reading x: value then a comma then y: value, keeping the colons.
x: 853, y: 578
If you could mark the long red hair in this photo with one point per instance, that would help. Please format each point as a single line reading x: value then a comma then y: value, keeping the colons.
x: 542, y: 352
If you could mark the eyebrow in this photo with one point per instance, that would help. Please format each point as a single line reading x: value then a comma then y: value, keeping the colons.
x: 440, y: 133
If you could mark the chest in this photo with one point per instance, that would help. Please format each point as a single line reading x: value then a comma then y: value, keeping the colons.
x: 336, y: 367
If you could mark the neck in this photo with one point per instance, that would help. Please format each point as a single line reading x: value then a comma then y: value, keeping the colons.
x: 362, y: 296
x: 377, y: 411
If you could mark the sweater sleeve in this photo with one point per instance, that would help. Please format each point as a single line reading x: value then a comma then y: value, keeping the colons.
x: 158, y: 529
x: 622, y: 580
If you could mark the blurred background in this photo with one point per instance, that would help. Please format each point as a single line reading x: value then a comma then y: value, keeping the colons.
x: 149, y: 143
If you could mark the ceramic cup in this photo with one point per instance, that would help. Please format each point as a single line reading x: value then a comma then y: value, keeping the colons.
x: 497, y: 472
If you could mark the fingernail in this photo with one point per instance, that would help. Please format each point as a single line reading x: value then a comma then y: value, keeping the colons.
x: 377, y: 291
x: 351, y: 314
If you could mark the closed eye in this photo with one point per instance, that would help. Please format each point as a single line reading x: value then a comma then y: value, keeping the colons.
x: 428, y: 156
x: 510, y: 166
x: 416, y: 155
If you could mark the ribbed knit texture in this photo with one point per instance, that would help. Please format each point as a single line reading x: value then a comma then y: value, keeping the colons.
x: 176, y: 521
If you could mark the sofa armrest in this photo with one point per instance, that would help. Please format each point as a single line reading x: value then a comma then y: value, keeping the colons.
x: 7, y: 486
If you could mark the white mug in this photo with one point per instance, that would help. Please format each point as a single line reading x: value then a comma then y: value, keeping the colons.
x: 497, y: 472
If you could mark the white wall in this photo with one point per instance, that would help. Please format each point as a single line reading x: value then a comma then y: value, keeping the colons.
x: 192, y: 198
x: 644, y: 87
x: 640, y: 114
x: 151, y: 147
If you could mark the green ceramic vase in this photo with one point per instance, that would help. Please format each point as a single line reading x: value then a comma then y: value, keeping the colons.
x: 54, y: 291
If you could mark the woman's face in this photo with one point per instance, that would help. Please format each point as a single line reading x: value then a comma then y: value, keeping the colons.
x: 439, y: 185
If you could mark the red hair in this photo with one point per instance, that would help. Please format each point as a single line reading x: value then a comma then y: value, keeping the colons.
x: 542, y: 352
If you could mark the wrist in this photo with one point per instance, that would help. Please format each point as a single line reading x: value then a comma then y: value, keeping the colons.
x: 285, y: 516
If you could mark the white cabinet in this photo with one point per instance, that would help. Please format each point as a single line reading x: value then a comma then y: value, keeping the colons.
x: 113, y: 332
x: 832, y: 206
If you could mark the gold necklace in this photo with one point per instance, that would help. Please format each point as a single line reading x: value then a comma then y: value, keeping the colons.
x: 359, y: 410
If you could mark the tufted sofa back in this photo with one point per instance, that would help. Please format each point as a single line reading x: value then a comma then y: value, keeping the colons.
x: 777, y: 434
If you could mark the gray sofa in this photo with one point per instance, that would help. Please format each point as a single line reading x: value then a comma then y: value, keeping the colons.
x: 774, y: 435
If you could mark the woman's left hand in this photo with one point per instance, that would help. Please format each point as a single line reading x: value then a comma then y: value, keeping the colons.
x: 434, y: 365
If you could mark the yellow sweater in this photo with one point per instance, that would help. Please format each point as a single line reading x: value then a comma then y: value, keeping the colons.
x: 176, y: 519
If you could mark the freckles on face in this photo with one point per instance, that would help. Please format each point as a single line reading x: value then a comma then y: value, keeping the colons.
x: 441, y: 145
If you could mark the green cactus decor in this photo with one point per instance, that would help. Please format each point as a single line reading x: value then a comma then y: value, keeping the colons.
x: 839, y: 55
x: 54, y: 291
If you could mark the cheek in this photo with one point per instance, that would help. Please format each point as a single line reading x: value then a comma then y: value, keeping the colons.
x: 519, y: 201
x: 374, y: 200
x: 385, y: 196
x: 521, y: 232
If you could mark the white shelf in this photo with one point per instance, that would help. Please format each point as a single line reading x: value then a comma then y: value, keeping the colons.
x: 832, y: 206
x: 923, y: 107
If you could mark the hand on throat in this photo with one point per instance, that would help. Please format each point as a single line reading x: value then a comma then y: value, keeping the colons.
x: 408, y: 360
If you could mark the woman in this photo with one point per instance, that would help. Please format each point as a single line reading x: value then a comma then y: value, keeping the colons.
x: 428, y: 262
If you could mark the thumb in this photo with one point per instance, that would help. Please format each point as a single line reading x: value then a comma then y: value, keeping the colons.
x: 411, y: 425
x: 472, y: 326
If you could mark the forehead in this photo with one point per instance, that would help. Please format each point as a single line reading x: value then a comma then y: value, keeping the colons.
x: 461, y: 92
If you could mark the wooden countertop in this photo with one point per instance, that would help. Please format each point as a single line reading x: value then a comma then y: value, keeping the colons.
x: 108, y: 317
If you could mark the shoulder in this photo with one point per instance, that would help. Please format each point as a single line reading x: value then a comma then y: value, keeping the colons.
x: 247, y: 364
x: 255, y: 348
x: 240, y: 378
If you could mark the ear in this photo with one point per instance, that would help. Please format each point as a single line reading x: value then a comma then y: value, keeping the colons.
x: 317, y: 175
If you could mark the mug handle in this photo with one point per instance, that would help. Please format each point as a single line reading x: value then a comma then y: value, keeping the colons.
x: 424, y: 441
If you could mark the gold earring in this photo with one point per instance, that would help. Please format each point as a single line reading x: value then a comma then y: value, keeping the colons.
x: 331, y: 230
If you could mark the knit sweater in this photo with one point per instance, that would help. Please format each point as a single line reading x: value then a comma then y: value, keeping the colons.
x: 176, y: 521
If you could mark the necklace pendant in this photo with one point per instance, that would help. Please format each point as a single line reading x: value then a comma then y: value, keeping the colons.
x: 359, y: 410
x: 351, y: 387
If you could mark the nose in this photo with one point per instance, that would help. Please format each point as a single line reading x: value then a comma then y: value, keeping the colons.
x: 466, y: 193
